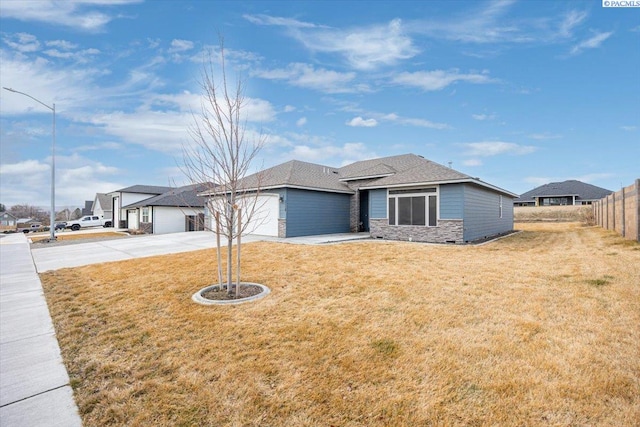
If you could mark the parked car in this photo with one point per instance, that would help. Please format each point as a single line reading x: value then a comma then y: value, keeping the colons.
x: 29, y: 227
x: 88, y: 221
x: 60, y: 225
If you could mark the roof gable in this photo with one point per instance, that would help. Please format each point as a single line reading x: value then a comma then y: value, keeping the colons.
x: 104, y: 201
x: 186, y: 196
x: 144, y: 189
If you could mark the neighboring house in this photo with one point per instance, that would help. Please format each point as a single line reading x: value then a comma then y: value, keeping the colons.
x: 8, y: 220
x: 26, y: 221
x: 88, y: 204
x: 404, y: 197
x: 179, y: 209
x: 124, y: 218
x: 102, y: 206
x: 569, y: 192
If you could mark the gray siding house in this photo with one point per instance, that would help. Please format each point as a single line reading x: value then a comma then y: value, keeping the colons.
x: 570, y: 192
x: 404, y: 197
x: 177, y: 210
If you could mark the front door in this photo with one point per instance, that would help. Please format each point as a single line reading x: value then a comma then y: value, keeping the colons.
x: 364, y: 210
x: 132, y: 219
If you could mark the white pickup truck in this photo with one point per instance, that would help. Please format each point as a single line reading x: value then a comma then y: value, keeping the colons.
x: 88, y: 221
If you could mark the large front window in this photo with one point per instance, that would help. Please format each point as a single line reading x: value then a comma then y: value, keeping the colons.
x: 413, y: 207
x: 145, y: 214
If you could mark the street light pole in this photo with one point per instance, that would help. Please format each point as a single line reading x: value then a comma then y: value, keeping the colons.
x: 52, y: 215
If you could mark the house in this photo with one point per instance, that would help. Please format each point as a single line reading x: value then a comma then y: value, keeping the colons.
x: 179, y: 209
x: 86, y: 210
x: 102, y: 206
x: 405, y: 197
x: 571, y: 192
x: 8, y: 220
x: 124, y: 218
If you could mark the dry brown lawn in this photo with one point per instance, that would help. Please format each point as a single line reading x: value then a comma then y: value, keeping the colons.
x: 106, y: 234
x: 539, y: 328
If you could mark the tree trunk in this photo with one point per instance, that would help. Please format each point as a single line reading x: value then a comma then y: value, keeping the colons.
x: 230, y: 252
x: 238, y: 245
x: 219, y: 246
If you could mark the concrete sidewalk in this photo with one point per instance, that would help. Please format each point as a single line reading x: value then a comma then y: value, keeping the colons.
x: 34, y: 383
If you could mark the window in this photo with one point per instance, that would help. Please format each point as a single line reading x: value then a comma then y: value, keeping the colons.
x: 500, y: 207
x: 145, y: 214
x: 413, y: 207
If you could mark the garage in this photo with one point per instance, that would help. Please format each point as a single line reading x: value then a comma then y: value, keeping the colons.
x: 265, y: 218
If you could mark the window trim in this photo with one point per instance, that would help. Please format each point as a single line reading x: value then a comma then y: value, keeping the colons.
x: 414, y: 192
x: 143, y: 214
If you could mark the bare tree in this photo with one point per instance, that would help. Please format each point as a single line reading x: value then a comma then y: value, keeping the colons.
x: 220, y: 156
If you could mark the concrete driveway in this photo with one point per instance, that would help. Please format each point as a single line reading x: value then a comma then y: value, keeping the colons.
x: 79, y: 254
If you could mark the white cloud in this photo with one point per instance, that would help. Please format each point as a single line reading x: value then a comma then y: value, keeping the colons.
x: 289, y: 108
x: 178, y: 45
x: 629, y: 128
x: 30, y: 167
x: 22, y: 42
x: 591, y: 43
x: 539, y: 180
x: 284, y: 22
x: 100, y: 146
x: 483, y: 116
x: 593, y: 177
x: 438, y: 79
x: 345, y: 154
x: 306, y: 76
x: 590, y: 178
x: 486, y: 24
x: 494, y: 148
x: 364, y: 48
x: 77, y: 180
x: 61, y: 44
x: 301, y: 121
x: 544, y: 136
x: 409, y: 121
x: 80, y: 14
x: 360, y: 122
x: 571, y: 19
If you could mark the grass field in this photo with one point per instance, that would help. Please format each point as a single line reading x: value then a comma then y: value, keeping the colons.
x: 538, y: 328
x: 79, y: 236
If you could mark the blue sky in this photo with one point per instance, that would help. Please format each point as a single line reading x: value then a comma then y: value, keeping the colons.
x: 518, y: 93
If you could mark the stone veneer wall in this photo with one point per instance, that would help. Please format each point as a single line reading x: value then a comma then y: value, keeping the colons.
x: 146, y: 227
x: 354, y: 203
x: 282, y: 227
x: 447, y: 231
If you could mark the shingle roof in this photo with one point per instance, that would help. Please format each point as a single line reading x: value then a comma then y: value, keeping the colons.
x: 295, y: 173
x: 105, y: 201
x: 144, y: 189
x: 392, y: 171
x: 413, y: 169
x: 186, y: 196
x: 571, y: 187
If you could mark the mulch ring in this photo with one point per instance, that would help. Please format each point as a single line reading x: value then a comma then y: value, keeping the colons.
x: 221, y: 294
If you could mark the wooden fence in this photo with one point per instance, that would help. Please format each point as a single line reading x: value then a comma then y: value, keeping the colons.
x: 620, y: 211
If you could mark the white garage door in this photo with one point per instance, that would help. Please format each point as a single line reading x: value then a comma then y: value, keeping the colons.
x: 265, y: 219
